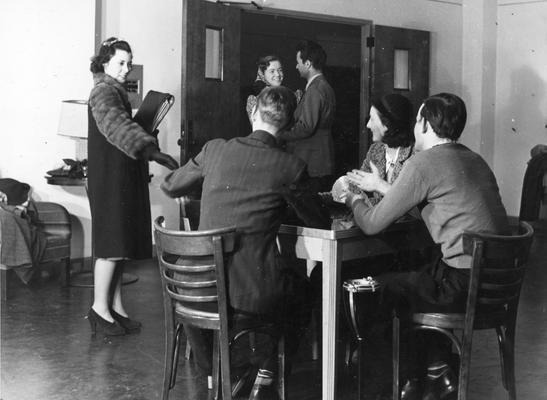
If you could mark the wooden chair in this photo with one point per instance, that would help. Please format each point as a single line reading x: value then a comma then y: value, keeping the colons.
x: 189, y: 209
x: 191, y: 265
x: 497, y: 272
x: 54, y: 220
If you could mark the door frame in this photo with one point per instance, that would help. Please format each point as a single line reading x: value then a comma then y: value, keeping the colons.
x: 366, y: 76
x: 366, y: 60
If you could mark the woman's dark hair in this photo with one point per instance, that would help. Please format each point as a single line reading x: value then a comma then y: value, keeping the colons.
x: 446, y: 113
x: 106, y: 52
x: 264, y: 62
x: 396, y: 114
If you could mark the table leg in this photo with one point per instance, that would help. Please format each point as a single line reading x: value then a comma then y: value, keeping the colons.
x: 332, y: 262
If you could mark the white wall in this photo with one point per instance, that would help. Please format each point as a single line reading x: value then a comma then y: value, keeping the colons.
x: 154, y: 31
x: 521, y: 93
x: 46, y: 46
x: 442, y: 19
x: 49, y: 44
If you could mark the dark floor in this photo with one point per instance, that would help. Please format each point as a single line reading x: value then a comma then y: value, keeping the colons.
x: 47, y: 351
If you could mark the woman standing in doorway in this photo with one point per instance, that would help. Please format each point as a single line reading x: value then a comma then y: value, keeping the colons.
x: 269, y: 73
x: 118, y: 151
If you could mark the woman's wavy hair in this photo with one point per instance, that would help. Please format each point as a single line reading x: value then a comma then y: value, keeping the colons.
x: 395, y: 112
x: 106, y: 52
x: 264, y: 62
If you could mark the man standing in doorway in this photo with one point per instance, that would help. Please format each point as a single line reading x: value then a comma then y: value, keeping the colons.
x: 310, y: 138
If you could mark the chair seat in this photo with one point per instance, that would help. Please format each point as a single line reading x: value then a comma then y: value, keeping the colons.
x: 497, y: 272
x: 57, y: 247
x: 457, y: 320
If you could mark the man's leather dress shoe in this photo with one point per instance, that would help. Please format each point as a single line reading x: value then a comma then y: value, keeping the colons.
x: 444, y: 387
x: 412, y: 390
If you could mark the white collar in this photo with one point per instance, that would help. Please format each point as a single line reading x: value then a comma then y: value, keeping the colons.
x: 390, y: 160
x: 311, y: 80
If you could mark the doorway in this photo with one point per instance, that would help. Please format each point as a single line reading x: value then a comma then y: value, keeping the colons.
x: 357, y: 69
x: 264, y: 34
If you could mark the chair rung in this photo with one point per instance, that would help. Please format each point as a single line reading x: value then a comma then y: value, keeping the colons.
x: 192, y: 312
x: 188, y: 268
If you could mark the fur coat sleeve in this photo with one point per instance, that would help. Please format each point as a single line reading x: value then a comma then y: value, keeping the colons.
x: 109, y: 106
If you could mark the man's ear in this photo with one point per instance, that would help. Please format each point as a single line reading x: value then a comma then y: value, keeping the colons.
x: 425, y: 125
x: 308, y: 64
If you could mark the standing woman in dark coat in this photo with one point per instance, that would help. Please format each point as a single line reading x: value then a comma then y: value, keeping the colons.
x: 118, y: 153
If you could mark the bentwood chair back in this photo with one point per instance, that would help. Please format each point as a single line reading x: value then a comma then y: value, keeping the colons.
x: 191, y: 266
x: 192, y: 269
x: 497, y: 273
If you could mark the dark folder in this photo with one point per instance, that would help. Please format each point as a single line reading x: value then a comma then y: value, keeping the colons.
x: 152, y: 110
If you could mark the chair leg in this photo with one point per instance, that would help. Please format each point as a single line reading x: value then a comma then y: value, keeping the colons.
x: 360, y: 368
x: 252, y: 341
x: 188, y: 350
x: 64, y: 276
x: 282, y: 389
x: 4, y: 284
x: 224, y: 345
x: 176, y: 352
x: 216, y: 364
x: 396, y: 357
x: 465, y: 363
x: 315, y: 326
x: 506, y: 341
x: 347, y: 352
x: 168, y: 361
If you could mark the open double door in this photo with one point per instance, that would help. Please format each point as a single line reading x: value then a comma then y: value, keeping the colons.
x: 212, y: 106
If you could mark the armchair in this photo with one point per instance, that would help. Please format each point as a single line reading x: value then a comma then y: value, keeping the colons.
x: 54, y: 221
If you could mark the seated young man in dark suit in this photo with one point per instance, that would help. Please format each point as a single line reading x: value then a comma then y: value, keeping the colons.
x: 249, y: 182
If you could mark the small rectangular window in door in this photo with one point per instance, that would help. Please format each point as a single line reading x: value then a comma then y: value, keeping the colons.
x: 213, y: 53
x: 401, y: 69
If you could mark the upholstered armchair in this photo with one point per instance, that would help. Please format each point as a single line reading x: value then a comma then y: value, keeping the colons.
x: 52, y: 219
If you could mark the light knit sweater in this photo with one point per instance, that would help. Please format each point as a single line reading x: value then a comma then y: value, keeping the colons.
x: 455, y: 191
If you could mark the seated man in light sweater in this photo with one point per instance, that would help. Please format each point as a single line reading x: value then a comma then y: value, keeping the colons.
x: 454, y: 190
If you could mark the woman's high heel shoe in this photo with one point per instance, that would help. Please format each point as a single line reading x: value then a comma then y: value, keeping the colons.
x: 107, y: 328
x: 129, y: 325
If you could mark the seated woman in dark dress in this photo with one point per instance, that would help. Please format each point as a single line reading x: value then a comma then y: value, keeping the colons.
x: 390, y: 122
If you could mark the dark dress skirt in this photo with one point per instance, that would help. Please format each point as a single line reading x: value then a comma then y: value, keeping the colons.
x: 119, y: 200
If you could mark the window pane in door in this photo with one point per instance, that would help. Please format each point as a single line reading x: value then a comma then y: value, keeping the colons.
x: 213, y: 53
x: 400, y: 75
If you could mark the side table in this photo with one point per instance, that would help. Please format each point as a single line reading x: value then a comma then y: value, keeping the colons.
x: 85, y: 278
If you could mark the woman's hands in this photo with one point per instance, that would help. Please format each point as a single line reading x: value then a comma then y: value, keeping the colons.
x: 163, y: 159
x: 368, y: 181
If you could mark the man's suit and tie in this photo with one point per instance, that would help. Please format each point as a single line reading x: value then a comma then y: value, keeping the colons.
x: 249, y: 182
x: 310, y: 138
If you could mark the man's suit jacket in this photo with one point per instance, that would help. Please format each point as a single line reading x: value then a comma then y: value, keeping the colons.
x: 248, y: 182
x: 310, y: 138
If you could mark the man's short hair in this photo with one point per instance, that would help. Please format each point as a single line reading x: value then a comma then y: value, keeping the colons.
x: 313, y: 52
x: 276, y: 105
x: 446, y: 113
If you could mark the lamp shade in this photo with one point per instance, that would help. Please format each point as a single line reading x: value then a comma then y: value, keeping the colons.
x: 73, y: 119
